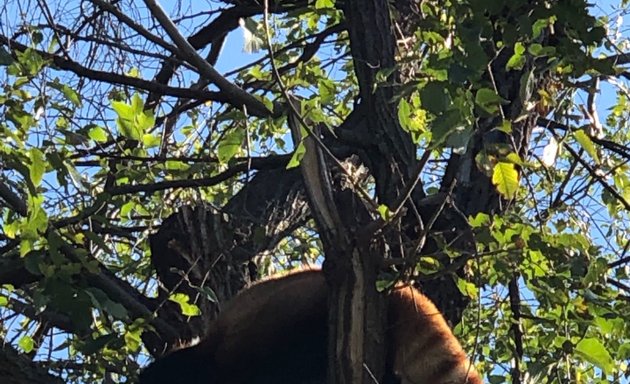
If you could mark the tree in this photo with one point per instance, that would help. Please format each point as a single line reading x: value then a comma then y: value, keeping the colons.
x: 456, y: 143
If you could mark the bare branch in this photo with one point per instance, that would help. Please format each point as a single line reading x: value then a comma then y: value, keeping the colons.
x: 235, y: 95
x: 133, y: 25
x: 114, y: 78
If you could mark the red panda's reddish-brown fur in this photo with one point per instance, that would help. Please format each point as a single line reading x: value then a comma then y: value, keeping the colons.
x: 422, y: 345
x: 275, y: 332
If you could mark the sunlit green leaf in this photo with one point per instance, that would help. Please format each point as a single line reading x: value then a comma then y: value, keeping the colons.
x: 133, y: 339
x: 26, y: 343
x: 404, y: 111
x: 467, y: 288
x: 230, y: 144
x: 298, y: 154
x: 586, y: 143
x: 98, y: 134
x: 71, y: 95
x: 319, y: 4
x: 384, y: 211
x: 505, y: 178
x: 188, y: 309
x: 37, y: 167
x: 593, y: 351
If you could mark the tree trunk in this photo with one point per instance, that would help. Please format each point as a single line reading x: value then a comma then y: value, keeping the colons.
x: 18, y: 369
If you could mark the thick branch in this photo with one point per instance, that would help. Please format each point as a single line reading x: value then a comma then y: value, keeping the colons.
x: 391, y: 155
x: 18, y: 369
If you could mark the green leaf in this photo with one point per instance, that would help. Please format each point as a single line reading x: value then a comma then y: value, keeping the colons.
x: 37, y: 167
x: 144, y: 121
x: 133, y: 72
x: 26, y: 245
x: 539, y: 26
x: 123, y: 110
x: 596, y: 273
x: 3, y: 301
x: 187, y: 308
x: 467, y: 288
x: 137, y: 104
x: 37, y: 220
x: 71, y: 95
x: 434, y: 97
x: 92, y: 346
x: 151, y: 140
x: 133, y: 121
x: 68, y: 92
x: 585, y: 141
x: 593, y: 351
x: 479, y: 220
x: 444, y: 125
x: 404, y: 111
x: 384, y: 211
x: 488, y: 99
x: 298, y: 154
x: 459, y: 138
x: 117, y: 310
x: 133, y: 339
x: 26, y: 344
x: 320, y: 4
x: 514, y: 158
x: 327, y: 90
x: 98, y: 134
x: 230, y: 145
x: 125, y: 120
x: 76, y: 177
x: 208, y: 293
x: 505, y: 178
x: 428, y: 265
x: 517, y: 61
x: 11, y: 229
x: 506, y: 126
x: 535, y: 49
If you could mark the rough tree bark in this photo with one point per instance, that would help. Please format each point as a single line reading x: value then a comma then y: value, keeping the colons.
x: 212, y: 249
x: 18, y: 369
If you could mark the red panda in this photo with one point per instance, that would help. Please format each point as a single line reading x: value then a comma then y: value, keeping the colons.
x: 276, y: 332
